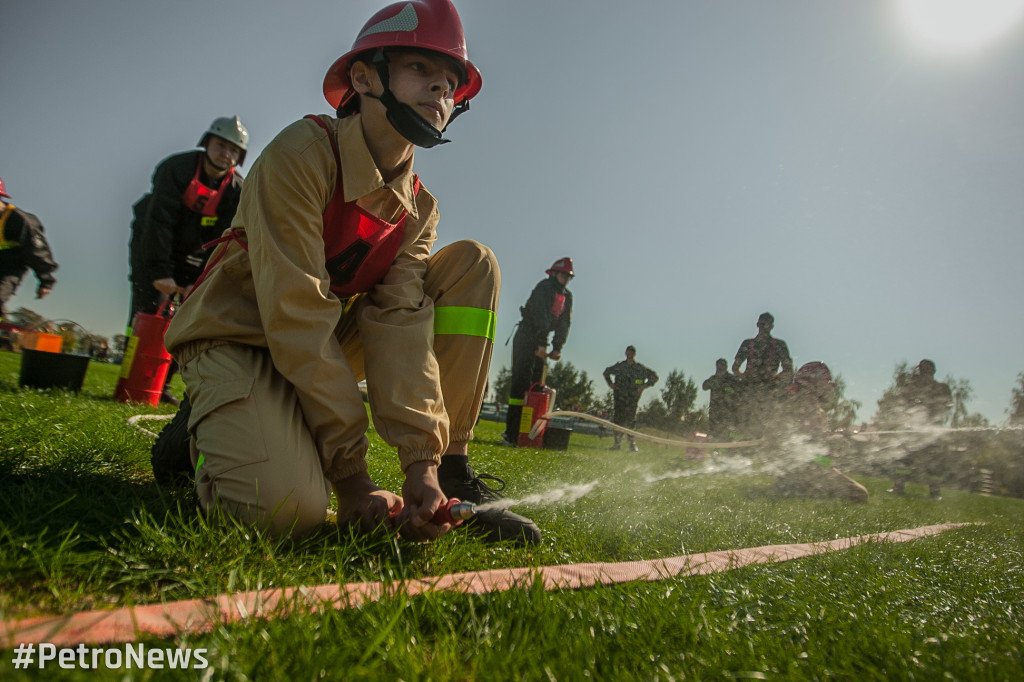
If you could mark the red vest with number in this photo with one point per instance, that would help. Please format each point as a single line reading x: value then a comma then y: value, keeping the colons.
x: 359, y: 247
x: 201, y: 199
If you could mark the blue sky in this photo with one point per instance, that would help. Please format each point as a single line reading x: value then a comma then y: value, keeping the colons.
x: 701, y: 162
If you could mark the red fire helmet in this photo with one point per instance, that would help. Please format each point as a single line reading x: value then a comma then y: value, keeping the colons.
x: 3, y: 190
x: 424, y: 24
x: 814, y: 372
x: 562, y: 265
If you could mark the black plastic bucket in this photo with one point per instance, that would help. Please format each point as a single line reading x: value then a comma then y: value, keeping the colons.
x: 556, y: 438
x: 41, y: 369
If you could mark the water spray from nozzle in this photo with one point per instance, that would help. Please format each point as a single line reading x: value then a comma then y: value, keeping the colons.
x: 454, y: 511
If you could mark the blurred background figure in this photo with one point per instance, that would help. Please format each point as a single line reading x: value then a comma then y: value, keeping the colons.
x: 768, y: 369
x: 803, y: 446
x: 925, y: 404
x: 23, y: 247
x: 723, y: 401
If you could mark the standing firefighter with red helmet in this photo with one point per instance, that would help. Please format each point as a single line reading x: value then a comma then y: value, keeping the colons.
x: 23, y: 247
x: 549, y: 309
x: 328, y: 276
x: 192, y: 200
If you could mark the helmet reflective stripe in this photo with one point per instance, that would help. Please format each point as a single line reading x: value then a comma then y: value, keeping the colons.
x: 406, y: 20
x: 465, y: 321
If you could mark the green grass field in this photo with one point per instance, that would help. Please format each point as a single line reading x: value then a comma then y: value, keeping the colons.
x: 83, y: 526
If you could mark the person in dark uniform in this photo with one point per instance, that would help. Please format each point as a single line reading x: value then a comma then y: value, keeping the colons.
x: 925, y: 403
x: 549, y: 309
x: 192, y: 201
x: 23, y: 247
x: 631, y: 379
x: 722, y: 405
x: 769, y: 368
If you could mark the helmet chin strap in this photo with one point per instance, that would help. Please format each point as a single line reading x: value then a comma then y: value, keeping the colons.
x: 403, y: 117
x: 210, y: 161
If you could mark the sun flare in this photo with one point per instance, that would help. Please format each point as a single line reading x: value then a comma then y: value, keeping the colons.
x: 959, y: 24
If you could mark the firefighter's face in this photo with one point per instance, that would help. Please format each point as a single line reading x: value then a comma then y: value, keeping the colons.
x: 427, y: 83
x: 424, y: 80
x: 223, y: 155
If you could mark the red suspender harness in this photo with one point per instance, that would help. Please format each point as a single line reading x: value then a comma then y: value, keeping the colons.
x: 199, y: 198
x: 359, y: 248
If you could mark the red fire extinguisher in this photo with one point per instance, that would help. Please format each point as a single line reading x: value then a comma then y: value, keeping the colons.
x: 535, y: 405
x: 146, y: 361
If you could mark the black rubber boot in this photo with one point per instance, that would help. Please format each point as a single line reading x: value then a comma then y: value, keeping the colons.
x: 493, y: 521
x: 171, y: 458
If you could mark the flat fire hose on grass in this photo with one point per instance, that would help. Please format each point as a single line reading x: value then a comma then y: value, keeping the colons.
x: 134, y: 422
x: 177, y: 619
x: 636, y: 434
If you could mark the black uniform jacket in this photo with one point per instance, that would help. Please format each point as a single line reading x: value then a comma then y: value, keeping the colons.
x: 167, y: 237
x: 549, y: 309
x: 23, y: 245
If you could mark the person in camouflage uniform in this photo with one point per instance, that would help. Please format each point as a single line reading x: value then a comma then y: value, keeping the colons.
x: 628, y: 379
x: 722, y: 405
x: 769, y: 369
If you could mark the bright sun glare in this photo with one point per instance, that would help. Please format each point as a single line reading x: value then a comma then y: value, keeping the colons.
x: 959, y: 24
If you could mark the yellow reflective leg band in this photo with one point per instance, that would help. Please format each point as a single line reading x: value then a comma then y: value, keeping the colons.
x: 515, y: 401
x: 465, y: 321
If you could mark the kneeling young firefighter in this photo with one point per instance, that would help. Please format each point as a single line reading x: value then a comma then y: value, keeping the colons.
x: 327, y: 276
x: 549, y: 309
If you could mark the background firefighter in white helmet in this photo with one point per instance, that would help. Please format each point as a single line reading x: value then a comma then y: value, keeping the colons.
x: 328, y: 277
x: 799, y: 444
x: 549, y: 309
x: 23, y: 247
x: 193, y: 199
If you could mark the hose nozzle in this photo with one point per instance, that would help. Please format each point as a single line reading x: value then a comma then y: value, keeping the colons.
x: 454, y: 512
